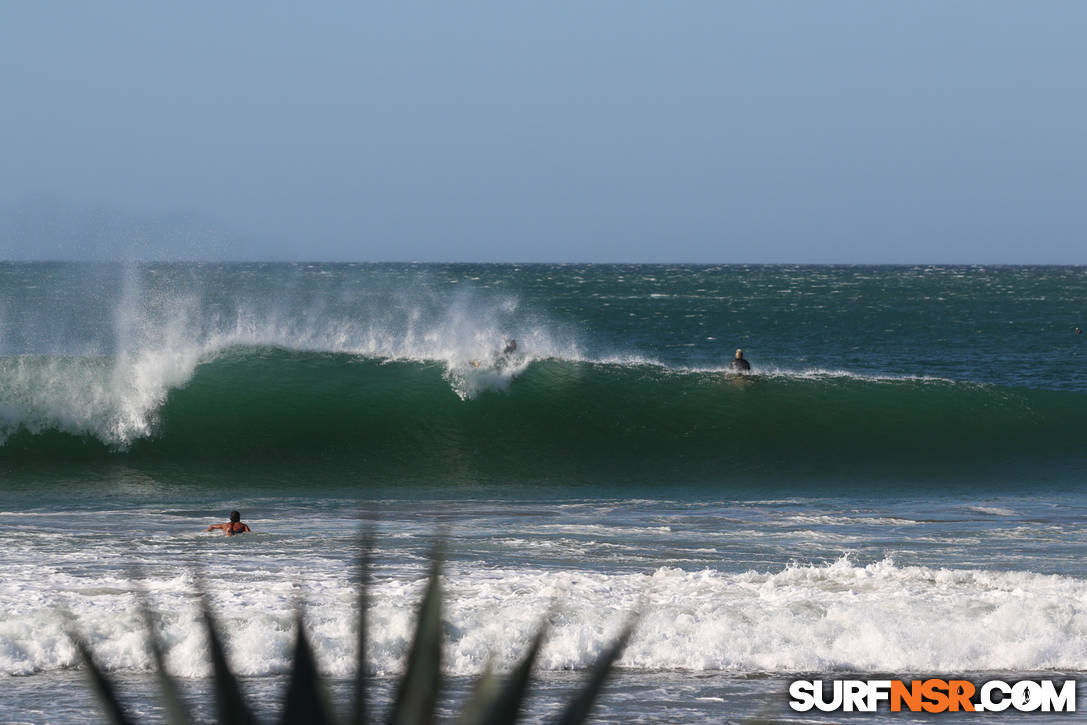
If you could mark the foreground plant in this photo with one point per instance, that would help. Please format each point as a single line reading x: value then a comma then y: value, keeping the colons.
x: 494, y: 699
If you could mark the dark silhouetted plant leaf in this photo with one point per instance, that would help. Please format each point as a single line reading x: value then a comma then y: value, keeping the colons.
x: 306, y: 703
x: 578, y: 708
x: 417, y: 693
x: 103, y: 688
x: 358, y: 708
x: 176, y: 712
x: 485, y: 691
x: 228, y: 695
x: 494, y: 700
x: 507, y: 706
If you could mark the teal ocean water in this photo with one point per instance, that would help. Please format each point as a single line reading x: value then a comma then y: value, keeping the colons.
x: 896, y: 487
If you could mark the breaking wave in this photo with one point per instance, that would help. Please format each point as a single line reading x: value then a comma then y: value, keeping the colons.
x: 525, y: 418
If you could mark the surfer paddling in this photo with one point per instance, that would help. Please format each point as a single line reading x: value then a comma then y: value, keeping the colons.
x: 739, y: 364
x: 234, y: 526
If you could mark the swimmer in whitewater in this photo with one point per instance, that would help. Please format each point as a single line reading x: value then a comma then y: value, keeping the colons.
x: 234, y: 526
x: 739, y: 364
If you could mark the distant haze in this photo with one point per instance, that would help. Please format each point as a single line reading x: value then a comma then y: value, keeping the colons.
x: 551, y: 131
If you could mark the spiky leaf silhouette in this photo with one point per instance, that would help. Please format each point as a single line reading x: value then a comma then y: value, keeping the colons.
x: 506, y: 706
x: 170, y: 693
x: 103, y: 688
x: 306, y: 703
x: 577, y: 711
x: 228, y: 695
x: 483, y: 695
x: 361, y: 683
x: 417, y: 695
x: 494, y: 701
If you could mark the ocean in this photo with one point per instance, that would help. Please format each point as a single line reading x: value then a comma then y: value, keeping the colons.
x: 895, y: 490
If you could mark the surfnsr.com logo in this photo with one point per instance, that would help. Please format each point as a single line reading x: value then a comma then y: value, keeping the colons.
x: 933, y: 695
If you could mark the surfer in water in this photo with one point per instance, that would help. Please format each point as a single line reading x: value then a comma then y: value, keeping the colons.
x: 509, y: 349
x: 234, y: 526
x: 738, y: 363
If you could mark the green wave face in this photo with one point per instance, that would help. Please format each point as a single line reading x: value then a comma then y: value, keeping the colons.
x: 565, y: 422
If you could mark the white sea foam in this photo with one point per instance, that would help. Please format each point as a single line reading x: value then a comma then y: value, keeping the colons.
x: 778, y: 371
x: 829, y: 520
x: 764, y: 370
x: 161, y: 336
x: 991, y: 510
x: 842, y: 616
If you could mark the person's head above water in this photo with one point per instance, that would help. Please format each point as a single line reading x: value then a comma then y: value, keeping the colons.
x: 739, y: 354
x: 234, y: 526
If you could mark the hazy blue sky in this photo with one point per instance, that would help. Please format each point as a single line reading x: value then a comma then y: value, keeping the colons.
x: 552, y: 131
